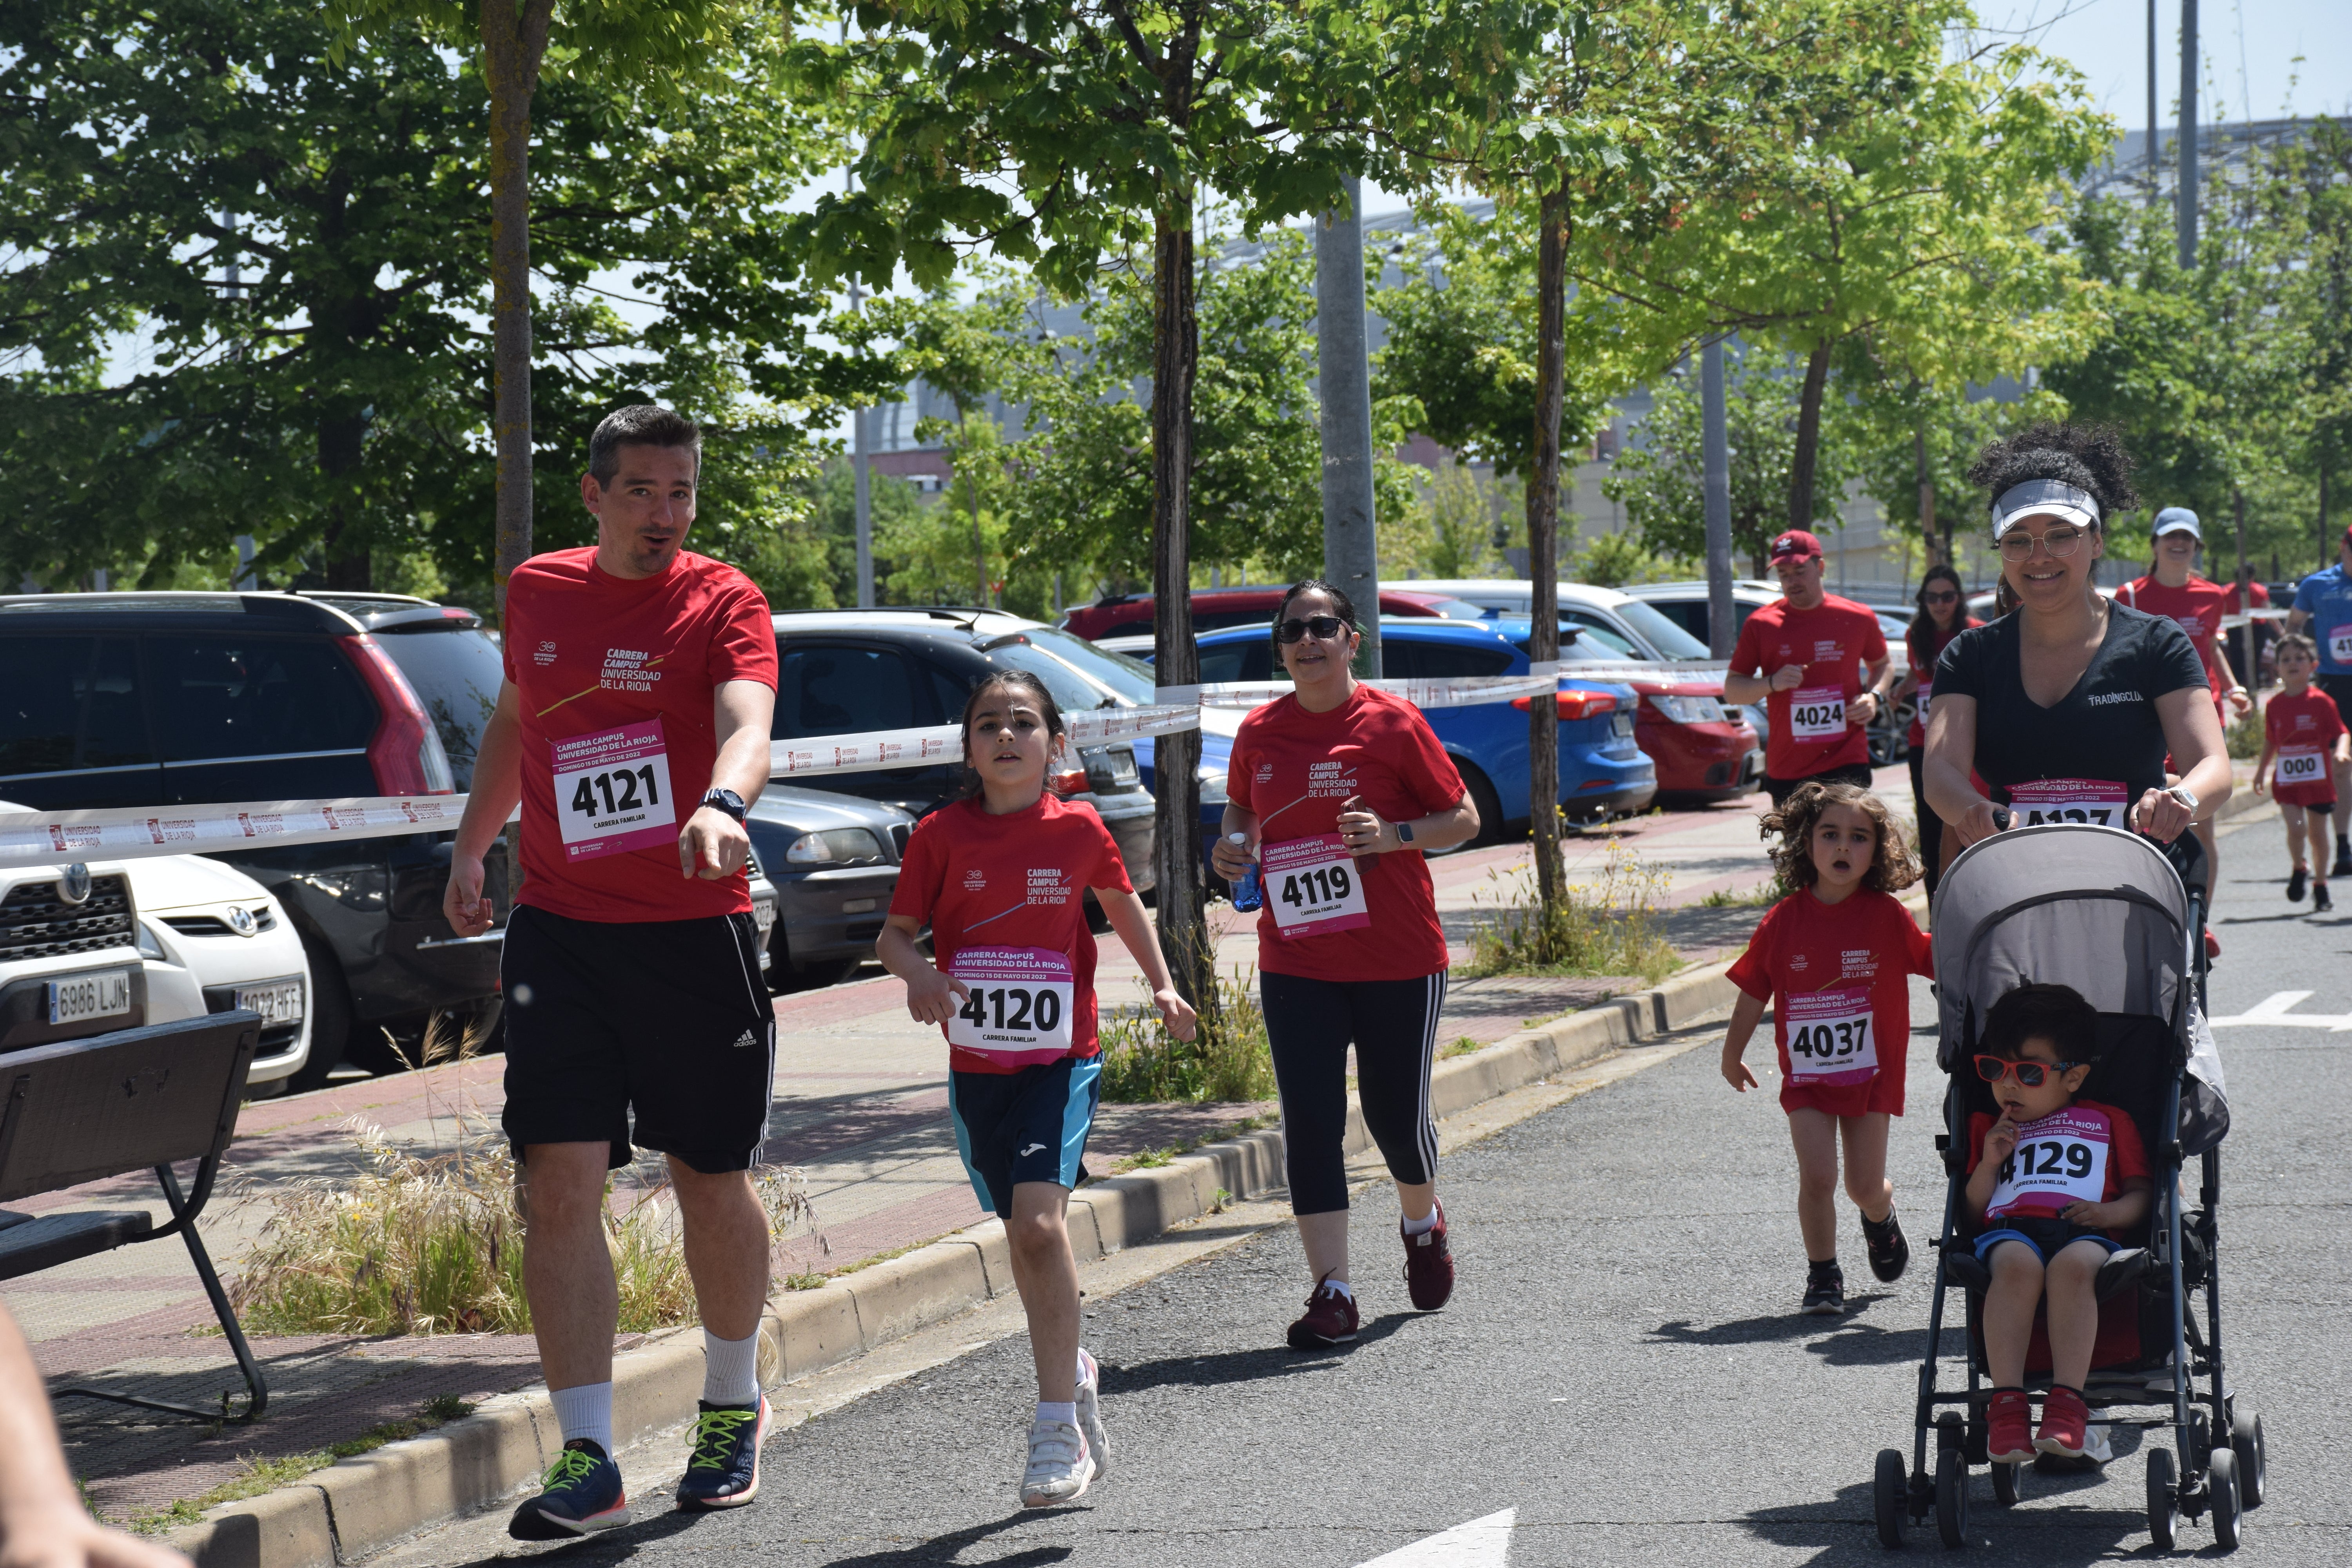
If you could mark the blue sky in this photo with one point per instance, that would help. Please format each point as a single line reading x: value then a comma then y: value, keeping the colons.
x: 2249, y: 49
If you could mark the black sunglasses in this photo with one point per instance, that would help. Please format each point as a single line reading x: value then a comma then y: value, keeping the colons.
x: 1992, y: 1070
x: 1321, y: 628
x: 1947, y: 597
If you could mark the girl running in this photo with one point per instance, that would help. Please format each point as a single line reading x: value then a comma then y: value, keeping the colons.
x: 999, y: 876
x: 1342, y: 788
x: 1834, y: 958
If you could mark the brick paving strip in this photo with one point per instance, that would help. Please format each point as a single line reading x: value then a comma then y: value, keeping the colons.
x: 860, y: 1110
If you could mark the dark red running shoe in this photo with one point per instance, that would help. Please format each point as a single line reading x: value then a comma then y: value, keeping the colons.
x: 1329, y: 1319
x: 1428, y: 1265
x: 2065, y: 1418
x: 2008, y: 1420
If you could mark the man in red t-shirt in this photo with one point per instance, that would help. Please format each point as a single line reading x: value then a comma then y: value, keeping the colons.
x: 1817, y: 662
x: 632, y: 728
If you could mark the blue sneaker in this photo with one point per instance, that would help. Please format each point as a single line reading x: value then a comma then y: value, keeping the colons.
x: 580, y: 1494
x: 723, y: 1469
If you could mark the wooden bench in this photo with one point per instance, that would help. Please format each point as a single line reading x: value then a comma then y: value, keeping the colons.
x: 82, y: 1111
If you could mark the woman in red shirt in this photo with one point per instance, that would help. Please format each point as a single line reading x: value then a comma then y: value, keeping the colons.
x: 2171, y: 588
x: 1338, y: 790
x: 1943, y: 615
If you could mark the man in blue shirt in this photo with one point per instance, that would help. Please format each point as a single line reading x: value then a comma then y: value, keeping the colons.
x: 2324, y: 604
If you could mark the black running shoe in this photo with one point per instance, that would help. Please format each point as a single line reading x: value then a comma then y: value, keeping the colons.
x: 2343, y: 866
x: 1889, y: 1253
x: 2320, y: 904
x: 1824, y: 1294
x: 2294, y: 886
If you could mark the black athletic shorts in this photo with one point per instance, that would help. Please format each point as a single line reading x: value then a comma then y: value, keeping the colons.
x: 1855, y: 774
x: 2339, y: 690
x: 667, y: 1020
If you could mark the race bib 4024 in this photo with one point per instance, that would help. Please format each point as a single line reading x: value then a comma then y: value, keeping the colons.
x: 1818, y: 713
x: 2099, y: 802
x: 611, y: 791
x: 1019, y: 1005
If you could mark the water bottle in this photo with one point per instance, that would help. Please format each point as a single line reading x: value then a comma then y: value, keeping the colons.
x: 1249, y: 893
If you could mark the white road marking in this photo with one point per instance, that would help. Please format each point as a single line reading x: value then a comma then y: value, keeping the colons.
x: 1481, y: 1543
x: 2272, y: 1010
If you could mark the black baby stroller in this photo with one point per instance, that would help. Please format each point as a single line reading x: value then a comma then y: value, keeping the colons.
x: 2107, y: 913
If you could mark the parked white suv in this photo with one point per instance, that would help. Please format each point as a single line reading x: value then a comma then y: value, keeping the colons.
x: 69, y: 960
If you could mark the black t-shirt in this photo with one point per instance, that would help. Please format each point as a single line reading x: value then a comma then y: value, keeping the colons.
x: 2100, y: 744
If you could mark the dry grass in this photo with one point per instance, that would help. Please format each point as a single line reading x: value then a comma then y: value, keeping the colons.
x: 1605, y: 928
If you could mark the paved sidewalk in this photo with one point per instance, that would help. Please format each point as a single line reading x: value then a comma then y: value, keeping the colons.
x: 860, y: 1110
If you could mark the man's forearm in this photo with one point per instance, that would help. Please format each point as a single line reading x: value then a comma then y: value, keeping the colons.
x: 496, y: 791
x: 1740, y: 690
x: 742, y: 764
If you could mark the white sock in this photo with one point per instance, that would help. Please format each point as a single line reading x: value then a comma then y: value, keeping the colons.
x: 586, y: 1411
x: 1426, y: 1222
x: 1066, y: 1412
x: 731, y: 1370
x: 1340, y: 1286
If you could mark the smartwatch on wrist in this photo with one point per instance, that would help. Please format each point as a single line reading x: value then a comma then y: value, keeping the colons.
x: 2185, y: 795
x: 1404, y: 832
x: 727, y: 800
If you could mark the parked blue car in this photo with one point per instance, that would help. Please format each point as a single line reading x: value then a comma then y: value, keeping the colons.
x: 1602, y: 771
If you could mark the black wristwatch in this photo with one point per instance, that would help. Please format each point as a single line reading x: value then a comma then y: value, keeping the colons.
x: 1404, y: 832
x: 727, y: 800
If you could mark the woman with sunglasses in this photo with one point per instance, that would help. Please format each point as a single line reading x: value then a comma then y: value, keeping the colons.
x: 2067, y: 708
x: 1337, y: 791
x: 1943, y: 615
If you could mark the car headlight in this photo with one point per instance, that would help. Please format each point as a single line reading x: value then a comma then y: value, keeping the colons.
x: 835, y: 847
x: 1213, y: 784
x: 1690, y: 709
x: 149, y: 944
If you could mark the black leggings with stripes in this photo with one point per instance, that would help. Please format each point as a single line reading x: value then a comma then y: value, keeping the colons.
x: 1393, y: 1026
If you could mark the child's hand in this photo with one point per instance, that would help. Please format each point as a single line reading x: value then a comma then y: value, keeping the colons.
x: 2091, y: 1217
x: 2002, y: 1141
x: 932, y: 997
x: 2262, y: 782
x: 1735, y: 1071
x: 1176, y: 1013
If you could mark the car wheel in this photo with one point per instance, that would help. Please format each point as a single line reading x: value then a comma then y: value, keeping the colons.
x: 1490, y: 809
x: 330, y: 1018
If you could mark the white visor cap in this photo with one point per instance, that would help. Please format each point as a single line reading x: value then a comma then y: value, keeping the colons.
x: 2044, y: 497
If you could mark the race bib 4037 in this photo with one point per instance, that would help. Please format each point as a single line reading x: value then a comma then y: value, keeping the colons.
x: 611, y: 791
x: 1831, y: 1040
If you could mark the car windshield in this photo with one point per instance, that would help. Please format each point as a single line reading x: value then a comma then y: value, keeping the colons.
x: 1671, y: 640
x: 1457, y: 610
x: 1128, y: 678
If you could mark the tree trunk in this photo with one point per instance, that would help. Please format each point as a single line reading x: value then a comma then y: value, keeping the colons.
x: 514, y: 40
x: 979, y: 550
x: 1543, y: 536
x: 1927, y: 494
x: 1802, y: 461
x: 1176, y: 758
x: 345, y: 545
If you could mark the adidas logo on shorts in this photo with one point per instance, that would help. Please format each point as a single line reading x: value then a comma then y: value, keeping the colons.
x: 745, y: 1041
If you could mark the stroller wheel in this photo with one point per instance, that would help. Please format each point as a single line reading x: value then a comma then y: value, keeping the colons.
x: 2221, y: 1492
x: 2246, y: 1441
x: 1889, y: 1499
x: 2004, y: 1484
x: 2163, y: 1499
x: 1952, y: 1497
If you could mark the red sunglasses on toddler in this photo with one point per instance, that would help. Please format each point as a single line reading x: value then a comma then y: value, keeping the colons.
x: 1992, y: 1070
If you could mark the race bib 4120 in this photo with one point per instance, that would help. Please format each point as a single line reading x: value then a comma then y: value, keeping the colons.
x: 611, y: 791
x: 1018, y: 1011
x: 2099, y: 802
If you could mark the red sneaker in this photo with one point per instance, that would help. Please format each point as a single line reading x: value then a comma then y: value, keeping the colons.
x: 2212, y: 947
x: 1428, y: 1265
x: 1329, y: 1319
x: 2065, y: 1422
x: 2008, y: 1439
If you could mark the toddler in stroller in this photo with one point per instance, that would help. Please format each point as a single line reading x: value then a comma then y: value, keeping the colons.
x: 2111, y: 916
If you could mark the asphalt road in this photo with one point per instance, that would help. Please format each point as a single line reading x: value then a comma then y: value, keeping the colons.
x: 1619, y: 1380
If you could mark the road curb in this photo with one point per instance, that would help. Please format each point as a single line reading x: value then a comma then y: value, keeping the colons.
x: 361, y: 1505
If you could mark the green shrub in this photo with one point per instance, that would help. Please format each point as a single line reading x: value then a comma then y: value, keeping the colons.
x: 1227, y: 1059
x: 1609, y: 928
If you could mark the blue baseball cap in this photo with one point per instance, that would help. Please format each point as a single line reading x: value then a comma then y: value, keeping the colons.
x: 2177, y: 520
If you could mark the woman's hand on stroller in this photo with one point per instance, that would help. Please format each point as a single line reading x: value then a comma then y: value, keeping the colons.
x: 2160, y: 815
x: 1981, y: 821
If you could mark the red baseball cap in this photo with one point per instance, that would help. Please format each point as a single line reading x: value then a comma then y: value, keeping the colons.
x: 1796, y: 545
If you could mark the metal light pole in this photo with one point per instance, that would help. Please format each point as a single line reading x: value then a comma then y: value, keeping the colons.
x: 2151, y: 96
x: 1351, y: 549
x: 1714, y: 446
x: 2185, y: 197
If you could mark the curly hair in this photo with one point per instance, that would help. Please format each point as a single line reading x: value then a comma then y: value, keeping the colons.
x: 1892, y: 865
x: 2088, y: 456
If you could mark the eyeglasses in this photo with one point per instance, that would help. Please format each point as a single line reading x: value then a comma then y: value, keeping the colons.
x: 2060, y: 542
x: 1323, y: 628
x: 1947, y: 597
x: 1992, y: 1070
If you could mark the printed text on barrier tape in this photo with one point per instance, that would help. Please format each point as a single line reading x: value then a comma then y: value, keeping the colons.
x: 938, y: 743
x: 54, y: 837
x: 1467, y: 691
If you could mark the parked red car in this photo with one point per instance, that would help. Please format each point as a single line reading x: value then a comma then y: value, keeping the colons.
x: 1704, y: 750
x: 1129, y: 615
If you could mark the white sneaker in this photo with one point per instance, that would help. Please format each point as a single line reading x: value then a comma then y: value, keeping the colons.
x: 1090, y: 1414
x: 1059, y: 1465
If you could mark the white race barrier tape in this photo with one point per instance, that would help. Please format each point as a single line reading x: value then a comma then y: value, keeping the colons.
x: 54, y: 837
x: 1467, y: 691
x: 2242, y: 616
x: 938, y: 743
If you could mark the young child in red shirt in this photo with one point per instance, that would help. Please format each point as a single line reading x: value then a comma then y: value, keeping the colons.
x: 1834, y: 958
x: 2054, y: 1180
x: 999, y: 877
x: 2305, y: 734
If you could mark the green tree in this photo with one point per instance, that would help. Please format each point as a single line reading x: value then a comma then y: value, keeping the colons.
x: 298, y: 247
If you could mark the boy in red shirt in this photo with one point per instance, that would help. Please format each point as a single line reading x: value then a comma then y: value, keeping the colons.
x: 2305, y: 734
x: 1834, y: 958
x: 2054, y: 1180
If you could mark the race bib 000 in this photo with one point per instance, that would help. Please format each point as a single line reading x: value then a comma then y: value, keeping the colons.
x: 1818, y: 713
x: 611, y: 791
x: 1312, y: 886
x: 2059, y: 1159
x: 1018, y: 1012
x: 1832, y: 1038
x: 2102, y: 803
x: 2303, y: 766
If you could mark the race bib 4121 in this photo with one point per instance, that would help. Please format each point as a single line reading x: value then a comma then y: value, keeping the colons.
x: 611, y: 791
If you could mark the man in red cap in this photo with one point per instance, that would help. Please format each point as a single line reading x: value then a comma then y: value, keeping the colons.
x: 1817, y: 661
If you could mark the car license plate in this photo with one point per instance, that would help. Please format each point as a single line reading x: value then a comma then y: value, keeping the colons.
x: 281, y: 1002
x: 764, y: 914
x: 1622, y: 726
x: 105, y: 995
